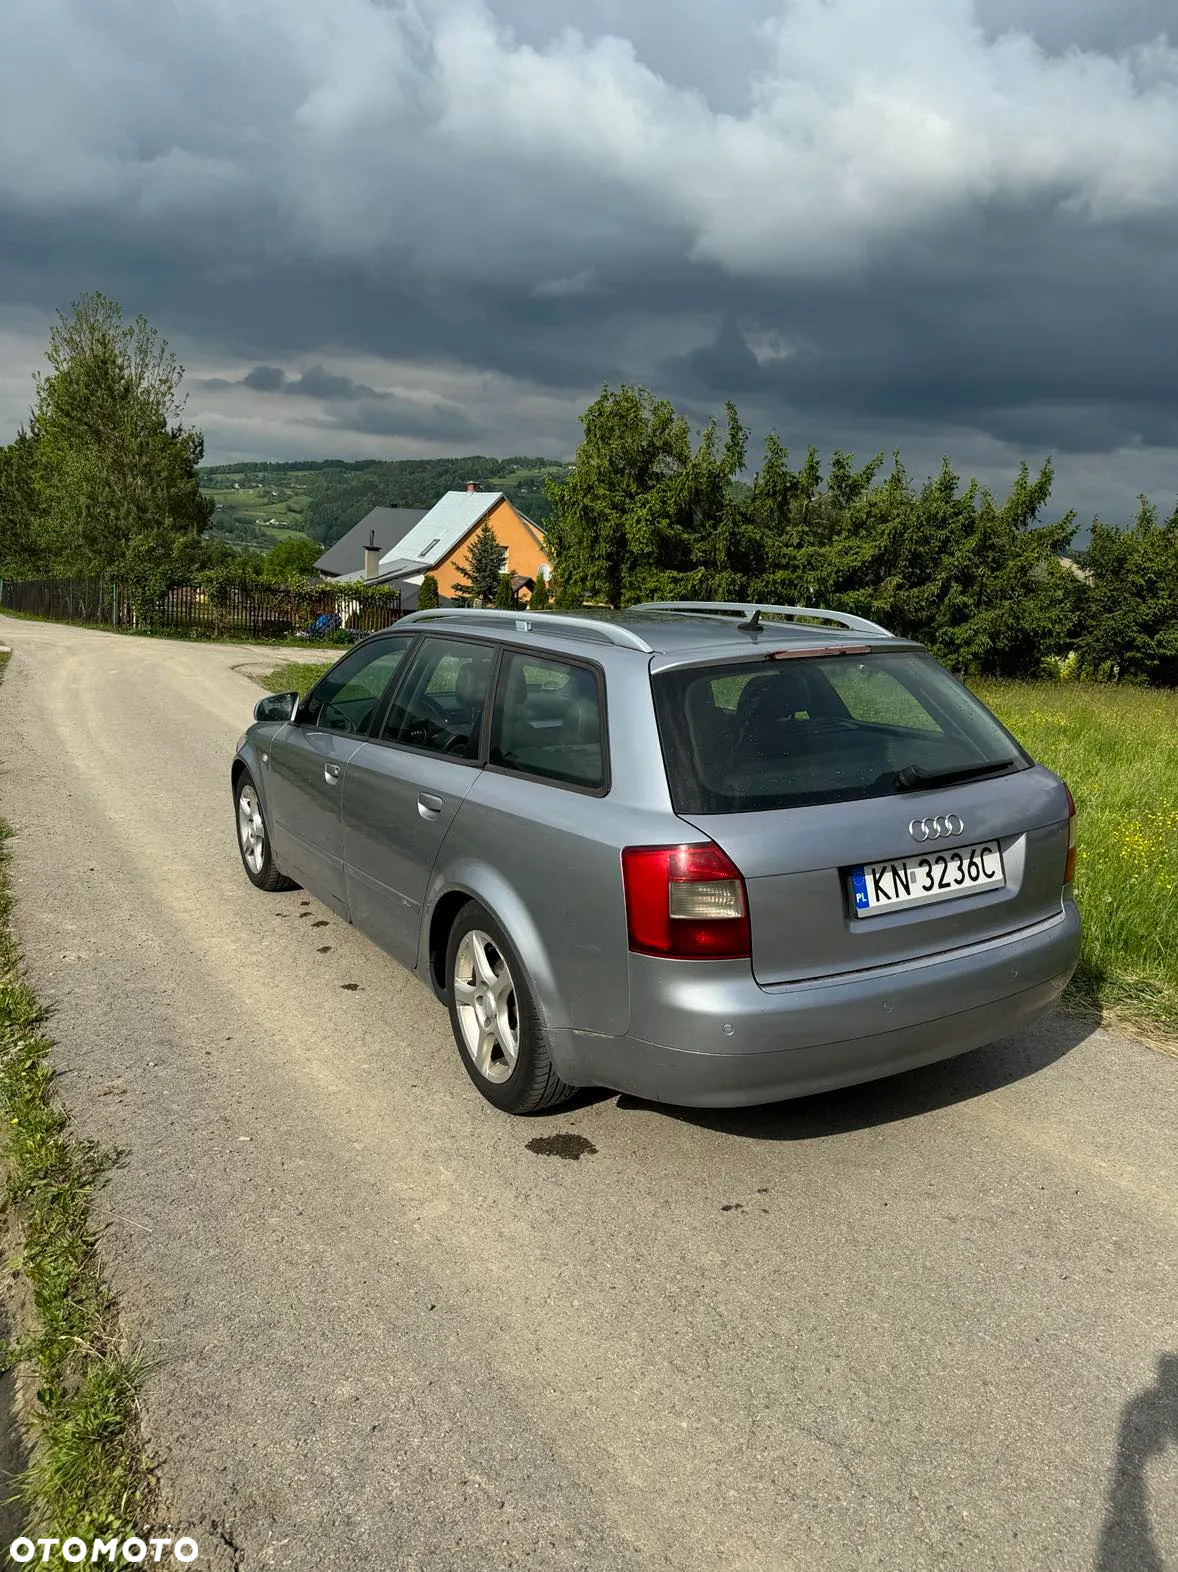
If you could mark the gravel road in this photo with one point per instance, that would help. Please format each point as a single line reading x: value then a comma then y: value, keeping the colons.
x: 931, y: 1323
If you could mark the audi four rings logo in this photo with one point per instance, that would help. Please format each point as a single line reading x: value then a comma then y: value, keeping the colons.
x: 944, y: 825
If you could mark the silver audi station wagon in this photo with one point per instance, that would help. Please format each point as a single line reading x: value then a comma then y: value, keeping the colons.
x: 706, y: 854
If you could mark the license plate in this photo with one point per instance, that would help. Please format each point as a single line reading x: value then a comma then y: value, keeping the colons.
x: 932, y: 876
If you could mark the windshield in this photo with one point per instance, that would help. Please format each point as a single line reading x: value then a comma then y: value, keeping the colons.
x: 774, y: 733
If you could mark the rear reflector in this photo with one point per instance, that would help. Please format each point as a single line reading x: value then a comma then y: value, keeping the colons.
x: 687, y: 902
x: 1069, y: 872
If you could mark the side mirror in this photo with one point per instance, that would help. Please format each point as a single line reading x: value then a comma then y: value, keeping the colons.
x: 279, y: 707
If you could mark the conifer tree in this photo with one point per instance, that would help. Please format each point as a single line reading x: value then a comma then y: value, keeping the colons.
x: 478, y: 577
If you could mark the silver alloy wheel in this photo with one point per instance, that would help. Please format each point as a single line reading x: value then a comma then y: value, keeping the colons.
x: 484, y: 995
x: 251, y: 828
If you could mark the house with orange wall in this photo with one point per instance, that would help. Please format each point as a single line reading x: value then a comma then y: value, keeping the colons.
x: 437, y: 542
x: 522, y: 542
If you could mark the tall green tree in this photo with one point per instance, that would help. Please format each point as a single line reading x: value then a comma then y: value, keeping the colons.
x: 22, y: 549
x: 629, y: 520
x: 980, y: 582
x: 427, y: 595
x: 292, y: 558
x: 504, y: 594
x: 1128, y: 601
x: 563, y: 597
x: 115, y: 480
x: 804, y: 540
x: 540, y: 600
x: 478, y: 576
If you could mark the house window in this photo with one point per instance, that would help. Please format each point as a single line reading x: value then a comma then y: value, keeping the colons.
x: 428, y: 547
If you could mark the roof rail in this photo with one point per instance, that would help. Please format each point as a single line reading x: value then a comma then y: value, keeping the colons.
x: 525, y: 621
x: 842, y: 619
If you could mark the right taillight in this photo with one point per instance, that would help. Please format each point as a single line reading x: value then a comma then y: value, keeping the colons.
x: 686, y: 902
x: 1069, y: 870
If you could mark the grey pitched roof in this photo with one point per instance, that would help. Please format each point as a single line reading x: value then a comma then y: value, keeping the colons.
x: 392, y: 570
x: 401, y: 567
x: 390, y: 525
x: 435, y: 536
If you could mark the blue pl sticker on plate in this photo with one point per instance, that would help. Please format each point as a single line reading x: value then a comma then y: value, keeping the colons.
x: 859, y: 885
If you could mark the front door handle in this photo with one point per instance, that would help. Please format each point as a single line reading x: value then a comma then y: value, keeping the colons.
x: 331, y: 773
x: 428, y: 805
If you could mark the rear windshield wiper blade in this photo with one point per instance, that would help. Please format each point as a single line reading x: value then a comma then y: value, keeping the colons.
x: 913, y: 776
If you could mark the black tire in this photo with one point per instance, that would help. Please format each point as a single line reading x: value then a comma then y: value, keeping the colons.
x: 257, y: 860
x: 532, y: 1085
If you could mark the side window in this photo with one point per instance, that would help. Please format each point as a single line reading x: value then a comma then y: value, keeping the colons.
x: 547, y: 721
x: 347, y: 697
x: 439, y: 704
x: 874, y: 696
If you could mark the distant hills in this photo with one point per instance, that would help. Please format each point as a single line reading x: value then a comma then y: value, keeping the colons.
x: 258, y: 504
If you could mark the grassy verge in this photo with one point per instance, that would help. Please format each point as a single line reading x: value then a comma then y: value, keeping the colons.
x: 87, y: 1472
x: 295, y: 676
x: 1117, y: 748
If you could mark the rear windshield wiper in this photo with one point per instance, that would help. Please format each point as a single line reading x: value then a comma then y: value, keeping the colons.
x: 913, y: 776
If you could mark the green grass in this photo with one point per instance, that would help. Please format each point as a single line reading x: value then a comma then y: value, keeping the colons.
x: 260, y: 503
x: 87, y: 1472
x: 295, y: 676
x: 242, y: 516
x: 1117, y: 748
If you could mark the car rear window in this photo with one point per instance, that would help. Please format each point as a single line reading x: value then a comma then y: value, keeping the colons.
x: 780, y: 733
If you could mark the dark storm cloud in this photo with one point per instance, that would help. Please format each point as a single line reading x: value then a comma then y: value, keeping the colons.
x: 865, y: 220
x: 402, y: 418
x: 265, y: 379
x: 727, y: 366
x: 367, y: 410
x: 315, y: 382
x: 1022, y: 335
x: 1074, y: 428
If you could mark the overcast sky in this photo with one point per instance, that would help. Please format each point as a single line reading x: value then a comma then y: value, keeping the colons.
x: 373, y: 228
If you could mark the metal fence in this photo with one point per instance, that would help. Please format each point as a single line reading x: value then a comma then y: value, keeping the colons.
x: 259, y: 611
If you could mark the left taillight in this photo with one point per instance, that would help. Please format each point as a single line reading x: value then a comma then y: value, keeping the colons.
x: 685, y: 902
x: 1069, y: 872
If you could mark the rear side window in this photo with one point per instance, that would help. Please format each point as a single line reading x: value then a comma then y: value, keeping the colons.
x: 548, y: 721
x: 785, y: 733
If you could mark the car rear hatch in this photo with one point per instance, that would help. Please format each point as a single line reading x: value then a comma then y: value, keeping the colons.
x: 876, y: 810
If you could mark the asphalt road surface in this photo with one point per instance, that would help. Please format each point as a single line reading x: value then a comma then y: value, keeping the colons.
x: 931, y: 1323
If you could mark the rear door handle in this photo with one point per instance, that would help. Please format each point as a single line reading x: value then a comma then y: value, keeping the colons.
x: 428, y: 804
x: 331, y: 773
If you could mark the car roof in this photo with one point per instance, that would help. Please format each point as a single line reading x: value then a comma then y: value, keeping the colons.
x: 677, y: 630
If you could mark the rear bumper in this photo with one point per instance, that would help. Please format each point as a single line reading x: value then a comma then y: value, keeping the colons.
x: 705, y: 1034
